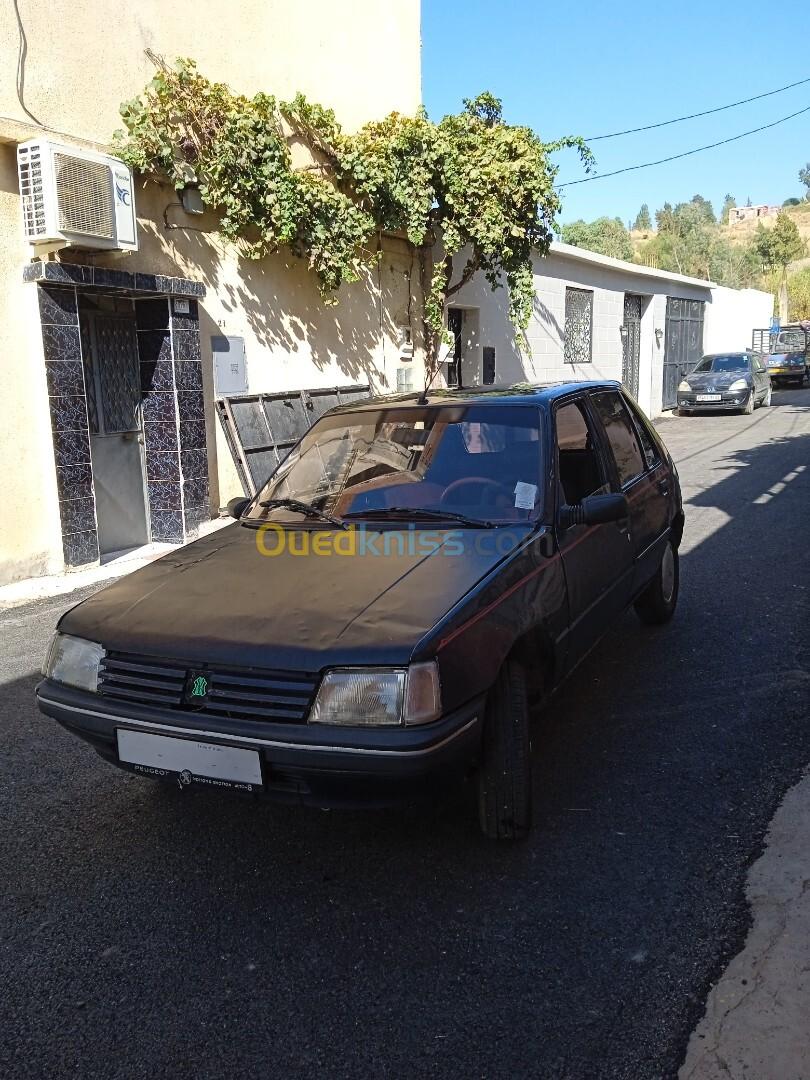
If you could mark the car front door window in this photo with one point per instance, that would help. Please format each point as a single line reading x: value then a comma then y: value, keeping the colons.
x: 581, y: 469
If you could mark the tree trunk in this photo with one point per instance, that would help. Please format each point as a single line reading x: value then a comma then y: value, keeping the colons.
x: 784, y: 312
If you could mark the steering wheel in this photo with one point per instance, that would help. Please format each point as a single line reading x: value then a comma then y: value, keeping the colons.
x: 465, y: 481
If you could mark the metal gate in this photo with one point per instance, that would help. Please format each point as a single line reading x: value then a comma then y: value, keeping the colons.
x: 261, y: 429
x: 683, y: 344
x: 112, y: 381
x: 631, y: 350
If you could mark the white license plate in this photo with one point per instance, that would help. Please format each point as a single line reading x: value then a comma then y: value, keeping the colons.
x: 161, y: 754
x: 708, y: 397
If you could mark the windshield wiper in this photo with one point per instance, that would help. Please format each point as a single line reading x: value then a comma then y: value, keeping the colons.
x: 419, y: 512
x: 307, y: 509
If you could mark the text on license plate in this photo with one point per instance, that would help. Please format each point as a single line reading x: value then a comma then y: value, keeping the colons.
x: 708, y: 397
x: 163, y: 753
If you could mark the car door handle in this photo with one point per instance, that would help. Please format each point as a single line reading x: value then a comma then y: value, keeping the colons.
x: 663, y: 486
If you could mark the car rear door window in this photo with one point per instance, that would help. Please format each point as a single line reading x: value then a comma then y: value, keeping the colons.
x: 621, y: 435
x: 581, y: 469
x: 648, y: 447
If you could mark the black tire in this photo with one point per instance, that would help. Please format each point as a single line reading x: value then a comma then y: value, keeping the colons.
x: 683, y: 412
x: 505, y: 775
x: 749, y: 405
x: 656, y: 605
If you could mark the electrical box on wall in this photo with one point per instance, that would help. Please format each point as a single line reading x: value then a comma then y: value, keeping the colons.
x: 230, y: 366
x: 73, y: 197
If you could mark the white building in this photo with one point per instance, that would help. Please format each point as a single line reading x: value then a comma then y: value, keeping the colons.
x: 601, y: 318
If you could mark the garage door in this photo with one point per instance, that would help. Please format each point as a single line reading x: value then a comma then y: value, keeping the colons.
x: 683, y: 344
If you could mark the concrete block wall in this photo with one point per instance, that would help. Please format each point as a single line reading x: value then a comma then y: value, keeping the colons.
x: 730, y: 315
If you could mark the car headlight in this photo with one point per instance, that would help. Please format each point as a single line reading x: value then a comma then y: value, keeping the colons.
x: 738, y: 384
x: 73, y: 661
x: 684, y: 387
x: 369, y: 697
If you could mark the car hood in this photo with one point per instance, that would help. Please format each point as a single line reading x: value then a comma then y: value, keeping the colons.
x: 716, y: 380
x: 219, y: 600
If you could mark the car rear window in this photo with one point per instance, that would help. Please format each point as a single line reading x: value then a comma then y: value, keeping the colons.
x: 622, y: 435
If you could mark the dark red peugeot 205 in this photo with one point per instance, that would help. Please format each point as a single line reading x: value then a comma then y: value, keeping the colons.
x: 379, y: 616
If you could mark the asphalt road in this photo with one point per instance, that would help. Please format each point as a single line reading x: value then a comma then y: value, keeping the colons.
x: 145, y: 932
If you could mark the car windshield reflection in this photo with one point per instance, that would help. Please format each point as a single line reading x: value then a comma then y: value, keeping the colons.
x: 478, y: 462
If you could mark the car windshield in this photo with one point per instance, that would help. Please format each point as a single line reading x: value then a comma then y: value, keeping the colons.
x: 478, y: 462
x: 722, y: 363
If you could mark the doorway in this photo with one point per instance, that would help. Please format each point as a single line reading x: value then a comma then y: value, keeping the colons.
x: 455, y: 323
x: 113, y: 388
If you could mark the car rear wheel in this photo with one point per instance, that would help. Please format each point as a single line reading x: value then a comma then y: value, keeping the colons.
x: 505, y: 775
x: 657, y: 603
x: 749, y: 405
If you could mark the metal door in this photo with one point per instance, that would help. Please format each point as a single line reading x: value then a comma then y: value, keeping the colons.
x: 112, y: 380
x: 631, y: 351
x: 683, y: 344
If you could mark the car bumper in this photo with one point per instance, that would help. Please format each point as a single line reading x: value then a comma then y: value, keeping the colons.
x: 322, y: 766
x: 787, y: 372
x: 726, y: 402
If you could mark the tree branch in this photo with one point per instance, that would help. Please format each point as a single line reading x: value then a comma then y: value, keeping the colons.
x: 473, y: 264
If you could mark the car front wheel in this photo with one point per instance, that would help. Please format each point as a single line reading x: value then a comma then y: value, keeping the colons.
x: 749, y: 405
x: 505, y: 775
x: 766, y: 401
x: 657, y: 603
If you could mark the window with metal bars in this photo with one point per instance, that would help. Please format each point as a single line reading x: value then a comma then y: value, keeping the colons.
x: 577, y: 347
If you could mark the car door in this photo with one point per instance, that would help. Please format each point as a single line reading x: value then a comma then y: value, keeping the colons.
x: 597, y: 559
x: 761, y: 377
x: 643, y: 478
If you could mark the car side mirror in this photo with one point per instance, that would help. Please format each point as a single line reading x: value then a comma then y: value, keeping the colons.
x: 237, y: 506
x: 595, y: 510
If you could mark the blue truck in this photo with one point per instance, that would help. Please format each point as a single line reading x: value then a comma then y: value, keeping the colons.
x: 786, y: 352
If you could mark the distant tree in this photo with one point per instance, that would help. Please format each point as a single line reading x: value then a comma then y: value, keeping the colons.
x: 748, y: 201
x: 736, y: 265
x: 792, y: 201
x: 643, y: 220
x: 778, y: 247
x: 799, y: 295
x: 663, y: 218
x: 728, y: 204
x: 705, y: 208
x: 606, y: 235
x: 804, y: 176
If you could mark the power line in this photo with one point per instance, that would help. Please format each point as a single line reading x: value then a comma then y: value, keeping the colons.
x: 686, y: 153
x: 694, y: 116
x: 22, y: 52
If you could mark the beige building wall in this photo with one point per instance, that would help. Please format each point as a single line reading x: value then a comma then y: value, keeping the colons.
x: 84, y: 57
x: 30, y: 537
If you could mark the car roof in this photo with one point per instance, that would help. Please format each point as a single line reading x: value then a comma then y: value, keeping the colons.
x: 516, y: 394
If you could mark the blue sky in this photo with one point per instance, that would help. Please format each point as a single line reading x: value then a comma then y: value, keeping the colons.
x: 591, y: 68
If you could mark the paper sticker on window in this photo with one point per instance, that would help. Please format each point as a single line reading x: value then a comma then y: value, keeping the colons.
x: 525, y: 495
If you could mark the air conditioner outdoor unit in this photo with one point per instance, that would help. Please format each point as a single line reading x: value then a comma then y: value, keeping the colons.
x: 74, y: 197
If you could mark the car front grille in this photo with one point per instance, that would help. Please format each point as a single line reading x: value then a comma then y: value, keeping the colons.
x: 235, y: 693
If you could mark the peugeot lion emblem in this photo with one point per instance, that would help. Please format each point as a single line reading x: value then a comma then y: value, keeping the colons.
x: 196, y: 690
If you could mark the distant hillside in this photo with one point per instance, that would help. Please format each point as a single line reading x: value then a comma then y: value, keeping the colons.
x: 742, y: 233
